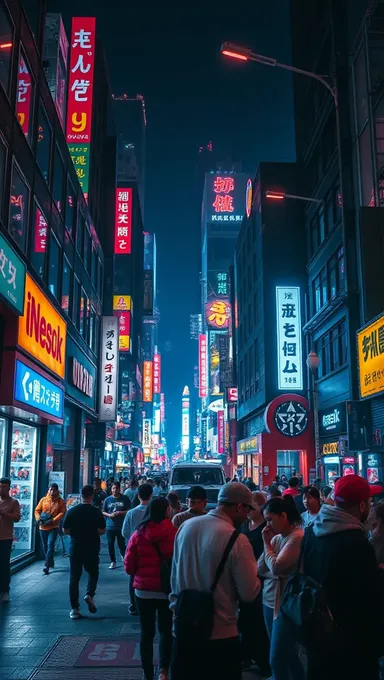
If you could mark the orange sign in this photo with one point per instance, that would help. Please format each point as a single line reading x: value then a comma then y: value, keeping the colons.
x: 148, y: 381
x: 42, y: 331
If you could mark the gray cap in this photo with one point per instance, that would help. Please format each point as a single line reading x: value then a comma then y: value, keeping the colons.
x: 236, y: 492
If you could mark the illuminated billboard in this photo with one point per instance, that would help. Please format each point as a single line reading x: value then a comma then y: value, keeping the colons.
x: 156, y: 374
x: 80, y: 96
x: 203, y: 366
x: 218, y: 314
x: 224, y: 197
x: 147, y: 381
x: 123, y: 221
x: 289, y: 347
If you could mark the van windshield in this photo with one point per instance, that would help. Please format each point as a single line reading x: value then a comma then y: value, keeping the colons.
x: 197, y: 475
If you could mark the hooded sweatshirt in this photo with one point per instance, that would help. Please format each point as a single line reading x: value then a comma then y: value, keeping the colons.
x: 337, y: 554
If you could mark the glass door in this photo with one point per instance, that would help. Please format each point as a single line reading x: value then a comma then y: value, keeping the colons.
x: 22, y: 472
x: 3, y: 428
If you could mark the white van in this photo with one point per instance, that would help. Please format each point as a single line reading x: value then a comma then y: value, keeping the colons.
x: 208, y: 475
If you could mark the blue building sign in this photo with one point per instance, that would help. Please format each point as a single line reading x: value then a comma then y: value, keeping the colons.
x: 34, y: 390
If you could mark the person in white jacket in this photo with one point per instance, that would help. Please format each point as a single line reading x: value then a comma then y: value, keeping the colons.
x: 199, y: 547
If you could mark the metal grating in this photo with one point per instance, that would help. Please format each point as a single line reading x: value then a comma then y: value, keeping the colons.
x: 89, y: 674
x: 65, y: 652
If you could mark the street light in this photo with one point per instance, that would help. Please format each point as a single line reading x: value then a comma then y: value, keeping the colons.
x: 313, y: 363
x: 245, y: 54
x: 282, y: 195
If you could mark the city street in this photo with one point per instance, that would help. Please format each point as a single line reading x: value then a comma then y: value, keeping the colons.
x: 39, y: 641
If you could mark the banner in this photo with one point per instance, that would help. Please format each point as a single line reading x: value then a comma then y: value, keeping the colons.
x: 203, y: 366
x: 109, y: 355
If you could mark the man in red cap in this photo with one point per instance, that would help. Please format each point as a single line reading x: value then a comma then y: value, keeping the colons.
x: 337, y: 554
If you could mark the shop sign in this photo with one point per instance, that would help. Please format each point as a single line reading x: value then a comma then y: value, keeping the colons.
x: 216, y: 405
x: 37, y: 392
x: 330, y: 448
x: 332, y: 460
x: 156, y: 373
x: 203, y: 366
x: 122, y: 303
x: 249, y: 445
x: 95, y: 434
x: 248, y: 198
x: 291, y: 418
x: 41, y: 230
x: 81, y: 376
x: 147, y: 433
x: 218, y: 313
x: 220, y: 432
x: 123, y: 221
x: 12, y: 279
x: 370, y: 353
x: 24, y: 96
x: 148, y: 381
x: 349, y: 460
x: 109, y: 356
x: 333, y: 420
x: 232, y: 395
x: 289, y: 350
x: 42, y: 331
x: 124, y: 330
x: 162, y: 407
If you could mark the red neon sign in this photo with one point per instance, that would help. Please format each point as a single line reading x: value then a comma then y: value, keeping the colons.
x: 220, y: 432
x: 24, y: 94
x: 81, y: 76
x: 148, y: 381
x: 203, y: 366
x: 156, y: 374
x: 222, y: 187
x: 218, y: 313
x: 123, y: 221
x: 41, y: 228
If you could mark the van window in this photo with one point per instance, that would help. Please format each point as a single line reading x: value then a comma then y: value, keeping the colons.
x: 197, y: 475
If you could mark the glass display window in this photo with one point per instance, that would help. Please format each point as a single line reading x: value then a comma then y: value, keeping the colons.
x: 3, y: 429
x: 22, y: 470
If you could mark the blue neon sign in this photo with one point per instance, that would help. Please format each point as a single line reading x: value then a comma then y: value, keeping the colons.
x: 33, y: 389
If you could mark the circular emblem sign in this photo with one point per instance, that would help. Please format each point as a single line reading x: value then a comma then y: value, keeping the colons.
x: 291, y: 418
x: 248, y: 198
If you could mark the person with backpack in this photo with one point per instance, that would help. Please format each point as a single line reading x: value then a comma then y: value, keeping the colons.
x: 282, y: 541
x: 337, y: 555
x: 147, y: 559
x: 213, y: 567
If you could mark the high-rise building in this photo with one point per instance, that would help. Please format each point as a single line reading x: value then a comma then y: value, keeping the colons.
x: 130, y: 116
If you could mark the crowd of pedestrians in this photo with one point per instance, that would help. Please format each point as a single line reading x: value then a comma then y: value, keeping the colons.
x: 235, y: 587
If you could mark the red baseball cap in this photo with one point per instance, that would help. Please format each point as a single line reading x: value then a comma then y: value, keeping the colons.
x: 355, y: 489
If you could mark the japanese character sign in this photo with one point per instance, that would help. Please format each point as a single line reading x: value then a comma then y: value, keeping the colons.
x: 109, y: 356
x: 222, y: 283
x: 123, y: 221
x: 81, y: 160
x: 81, y: 76
x: 203, y: 366
x: 156, y: 373
x: 370, y: 345
x: 147, y: 381
x: 24, y: 96
x: 222, y: 187
x: 218, y: 313
x: 12, y: 277
x: 41, y: 228
x: 289, y: 346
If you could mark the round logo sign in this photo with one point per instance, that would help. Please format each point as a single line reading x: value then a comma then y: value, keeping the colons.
x: 248, y: 198
x: 291, y: 418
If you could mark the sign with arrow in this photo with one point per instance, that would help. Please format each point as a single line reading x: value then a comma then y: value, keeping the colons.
x: 34, y: 390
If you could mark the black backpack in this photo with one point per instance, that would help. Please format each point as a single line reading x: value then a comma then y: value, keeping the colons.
x: 194, y: 610
x: 165, y: 570
x: 305, y: 609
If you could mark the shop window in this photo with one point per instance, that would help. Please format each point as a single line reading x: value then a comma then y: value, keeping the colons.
x: 76, y: 303
x: 94, y: 266
x: 43, y: 145
x: 3, y: 425
x: 80, y: 232
x: 24, y: 101
x: 54, y: 266
x: 66, y: 287
x: 87, y: 249
x: 22, y: 473
x: 7, y: 40
x: 335, y: 357
x: 316, y: 285
x: 70, y: 208
x: 324, y: 286
x: 3, y: 160
x: 38, y: 245
x: 58, y: 180
x: 332, y: 275
x: 343, y: 343
x: 19, y: 208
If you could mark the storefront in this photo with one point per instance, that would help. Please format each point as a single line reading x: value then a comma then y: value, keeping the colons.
x: 249, y: 458
x: 336, y: 459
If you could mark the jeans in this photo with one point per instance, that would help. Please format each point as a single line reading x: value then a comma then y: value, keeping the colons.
x: 284, y: 656
x: 214, y: 659
x: 90, y: 563
x: 5, y: 564
x: 113, y: 534
x: 147, y: 612
x: 48, y: 539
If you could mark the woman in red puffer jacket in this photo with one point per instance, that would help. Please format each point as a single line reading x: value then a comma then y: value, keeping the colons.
x: 143, y: 562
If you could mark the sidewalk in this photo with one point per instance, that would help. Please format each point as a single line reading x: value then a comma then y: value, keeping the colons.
x: 38, y: 639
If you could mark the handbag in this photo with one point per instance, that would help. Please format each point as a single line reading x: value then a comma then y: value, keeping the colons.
x: 165, y: 570
x: 305, y: 608
x: 45, y: 518
x: 194, y: 611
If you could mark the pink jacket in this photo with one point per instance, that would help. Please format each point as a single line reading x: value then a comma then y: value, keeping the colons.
x: 141, y: 559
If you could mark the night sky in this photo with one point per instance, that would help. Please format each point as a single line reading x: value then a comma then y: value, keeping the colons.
x: 171, y: 55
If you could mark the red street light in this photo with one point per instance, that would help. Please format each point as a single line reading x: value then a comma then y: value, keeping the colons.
x: 275, y: 195
x: 4, y: 46
x: 235, y: 52
x: 234, y: 55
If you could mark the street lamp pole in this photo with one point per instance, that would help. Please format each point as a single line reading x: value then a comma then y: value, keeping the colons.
x: 282, y: 195
x: 313, y: 363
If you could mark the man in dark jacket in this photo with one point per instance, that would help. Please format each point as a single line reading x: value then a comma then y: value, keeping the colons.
x: 337, y: 554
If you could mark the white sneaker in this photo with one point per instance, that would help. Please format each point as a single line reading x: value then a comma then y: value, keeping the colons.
x: 91, y: 604
x: 113, y: 565
x: 5, y: 597
x: 74, y: 614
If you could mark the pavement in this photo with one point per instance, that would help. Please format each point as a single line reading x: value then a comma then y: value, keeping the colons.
x: 38, y: 640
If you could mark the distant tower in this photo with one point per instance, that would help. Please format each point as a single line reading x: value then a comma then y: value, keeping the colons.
x: 185, y: 432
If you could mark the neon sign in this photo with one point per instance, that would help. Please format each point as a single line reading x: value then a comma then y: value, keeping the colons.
x: 218, y: 314
x: 123, y: 221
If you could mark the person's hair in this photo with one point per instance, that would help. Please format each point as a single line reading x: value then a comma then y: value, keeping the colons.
x: 97, y: 479
x: 54, y: 486
x: 145, y: 492
x: 5, y: 480
x: 197, y: 493
x: 173, y: 500
x: 274, y: 491
x: 116, y: 483
x: 157, y: 481
x: 276, y: 506
x: 259, y: 498
x: 293, y: 482
x: 379, y: 511
x: 87, y: 491
x: 312, y: 491
x: 156, y: 511
x: 326, y: 490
